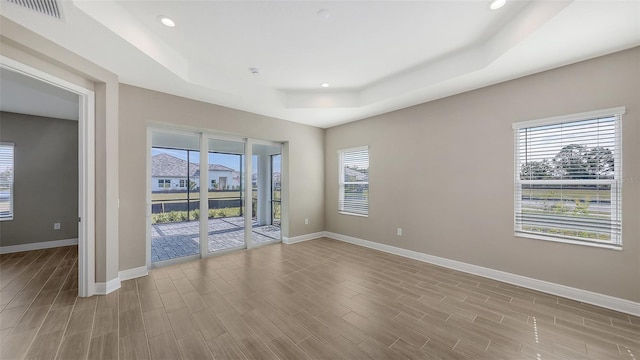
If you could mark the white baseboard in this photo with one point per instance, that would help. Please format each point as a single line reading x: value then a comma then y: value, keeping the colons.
x: 37, y: 246
x: 301, y: 238
x: 108, y: 287
x: 133, y: 273
x: 605, y: 301
x: 114, y: 284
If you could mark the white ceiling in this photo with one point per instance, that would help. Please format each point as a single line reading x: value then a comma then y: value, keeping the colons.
x: 25, y: 95
x: 377, y: 56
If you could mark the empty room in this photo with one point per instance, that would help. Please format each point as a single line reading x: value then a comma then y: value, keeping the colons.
x: 320, y: 180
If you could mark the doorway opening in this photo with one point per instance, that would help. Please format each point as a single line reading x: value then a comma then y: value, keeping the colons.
x: 85, y: 274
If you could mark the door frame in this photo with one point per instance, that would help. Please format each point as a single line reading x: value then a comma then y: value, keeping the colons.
x: 204, y: 192
x: 86, y: 169
x: 249, y: 189
x: 151, y: 128
x: 204, y: 136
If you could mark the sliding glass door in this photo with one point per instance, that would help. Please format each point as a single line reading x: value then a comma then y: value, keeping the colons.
x: 276, y: 189
x: 265, y: 229
x: 197, y: 203
x: 226, y: 222
x: 175, y: 199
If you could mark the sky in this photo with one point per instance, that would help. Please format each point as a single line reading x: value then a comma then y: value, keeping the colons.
x: 230, y: 161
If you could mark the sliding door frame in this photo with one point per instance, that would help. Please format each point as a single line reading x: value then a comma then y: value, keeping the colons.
x: 250, y: 187
x: 204, y: 137
x: 167, y: 130
x: 204, y: 179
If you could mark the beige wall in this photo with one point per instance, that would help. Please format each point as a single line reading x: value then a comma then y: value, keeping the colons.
x: 450, y: 205
x: 443, y: 171
x: 304, y: 187
x: 26, y: 47
x: 46, y: 180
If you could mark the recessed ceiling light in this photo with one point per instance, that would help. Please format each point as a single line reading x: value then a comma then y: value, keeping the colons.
x: 497, y: 4
x: 324, y: 85
x: 166, y: 21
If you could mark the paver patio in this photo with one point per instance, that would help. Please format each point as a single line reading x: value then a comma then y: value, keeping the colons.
x: 172, y: 240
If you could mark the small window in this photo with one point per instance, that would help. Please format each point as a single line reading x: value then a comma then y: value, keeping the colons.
x: 568, y: 183
x: 6, y: 180
x: 164, y: 183
x: 183, y: 183
x: 354, y: 181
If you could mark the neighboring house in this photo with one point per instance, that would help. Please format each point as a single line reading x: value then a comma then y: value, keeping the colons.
x: 170, y: 173
x: 220, y: 177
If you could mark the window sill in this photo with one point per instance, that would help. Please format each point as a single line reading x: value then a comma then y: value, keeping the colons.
x: 352, y: 214
x: 568, y: 241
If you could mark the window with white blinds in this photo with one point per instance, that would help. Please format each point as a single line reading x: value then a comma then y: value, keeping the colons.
x: 568, y: 183
x: 354, y: 181
x: 6, y: 180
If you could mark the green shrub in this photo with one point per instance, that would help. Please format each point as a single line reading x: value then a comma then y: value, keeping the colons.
x: 194, y: 215
x: 174, y: 216
x: 160, y: 218
x: 582, y: 207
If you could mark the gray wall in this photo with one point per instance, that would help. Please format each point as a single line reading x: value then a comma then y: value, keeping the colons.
x: 455, y: 159
x: 303, y: 188
x: 46, y: 179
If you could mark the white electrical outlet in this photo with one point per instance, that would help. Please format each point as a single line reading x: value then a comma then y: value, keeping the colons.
x: 306, y: 221
x: 399, y: 231
x: 56, y: 226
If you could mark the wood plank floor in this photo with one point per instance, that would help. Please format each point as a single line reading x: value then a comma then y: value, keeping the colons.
x: 319, y: 299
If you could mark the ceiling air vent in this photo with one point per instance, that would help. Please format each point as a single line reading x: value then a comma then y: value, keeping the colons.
x: 45, y: 7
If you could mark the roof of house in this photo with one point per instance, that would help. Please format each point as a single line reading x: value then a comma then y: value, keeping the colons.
x: 165, y: 165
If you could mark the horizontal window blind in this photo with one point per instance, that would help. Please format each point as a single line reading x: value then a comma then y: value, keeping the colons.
x: 6, y: 180
x: 568, y: 182
x: 354, y: 181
